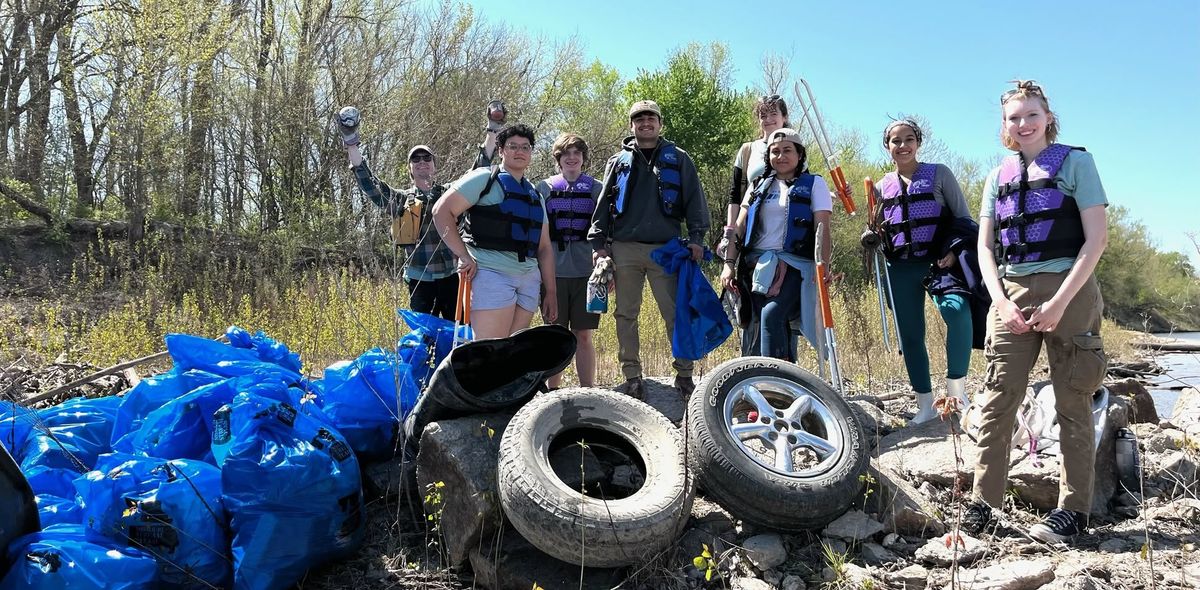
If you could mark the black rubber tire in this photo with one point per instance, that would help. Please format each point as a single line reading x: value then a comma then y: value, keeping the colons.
x: 560, y: 520
x: 750, y: 491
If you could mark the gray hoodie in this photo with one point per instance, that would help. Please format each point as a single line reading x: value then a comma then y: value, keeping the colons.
x: 643, y: 219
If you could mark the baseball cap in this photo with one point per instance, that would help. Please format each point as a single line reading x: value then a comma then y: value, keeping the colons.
x: 421, y: 148
x: 785, y: 134
x: 644, y: 106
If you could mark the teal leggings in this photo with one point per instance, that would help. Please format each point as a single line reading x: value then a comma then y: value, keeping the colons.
x: 909, y: 293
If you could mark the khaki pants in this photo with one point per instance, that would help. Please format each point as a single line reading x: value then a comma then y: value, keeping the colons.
x: 1077, y: 368
x: 632, y: 266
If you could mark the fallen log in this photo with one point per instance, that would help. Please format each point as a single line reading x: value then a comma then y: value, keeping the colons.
x: 1168, y: 345
x: 94, y: 376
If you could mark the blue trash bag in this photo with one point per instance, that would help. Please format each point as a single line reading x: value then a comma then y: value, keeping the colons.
x: 427, y: 344
x: 360, y: 398
x: 169, y: 508
x: 16, y: 422
x: 265, y: 347
x: 194, y: 352
x: 54, y: 492
x: 71, y: 557
x: 293, y: 492
x: 151, y: 393
x: 71, y: 435
x: 182, y: 428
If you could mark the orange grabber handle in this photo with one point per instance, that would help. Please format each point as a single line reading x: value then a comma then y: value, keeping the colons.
x: 842, y: 189
x: 869, y: 188
x: 823, y: 293
x: 462, y: 307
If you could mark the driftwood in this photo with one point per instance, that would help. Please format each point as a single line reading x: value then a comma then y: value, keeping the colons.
x: 1168, y: 345
x: 94, y: 376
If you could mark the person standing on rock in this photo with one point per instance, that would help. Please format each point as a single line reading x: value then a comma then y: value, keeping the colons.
x: 649, y: 187
x: 570, y: 203
x: 1045, y: 206
x: 919, y: 205
x: 504, y: 249
x: 777, y: 230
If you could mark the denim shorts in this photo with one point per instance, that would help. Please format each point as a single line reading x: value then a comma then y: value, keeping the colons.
x: 497, y: 290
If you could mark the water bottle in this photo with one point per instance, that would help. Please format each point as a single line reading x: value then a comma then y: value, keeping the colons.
x: 1128, y: 464
x: 222, y: 438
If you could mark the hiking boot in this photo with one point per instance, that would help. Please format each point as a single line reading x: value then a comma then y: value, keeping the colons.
x: 977, y: 517
x: 634, y: 388
x: 1060, y: 526
x: 686, y: 386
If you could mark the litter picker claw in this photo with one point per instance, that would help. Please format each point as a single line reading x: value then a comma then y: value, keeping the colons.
x: 828, y: 344
x: 816, y: 125
x: 872, y: 242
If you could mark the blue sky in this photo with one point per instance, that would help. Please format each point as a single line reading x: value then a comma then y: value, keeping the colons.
x: 1123, y: 77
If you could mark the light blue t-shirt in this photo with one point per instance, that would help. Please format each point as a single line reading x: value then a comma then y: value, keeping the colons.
x: 1077, y: 178
x: 469, y: 186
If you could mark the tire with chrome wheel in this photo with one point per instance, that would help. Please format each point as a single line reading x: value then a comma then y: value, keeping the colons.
x: 775, y: 445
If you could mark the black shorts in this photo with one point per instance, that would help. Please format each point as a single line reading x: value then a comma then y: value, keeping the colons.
x: 572, y: 305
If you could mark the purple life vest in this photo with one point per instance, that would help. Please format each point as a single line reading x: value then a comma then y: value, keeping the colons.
x: 913, y: 218
x: 570, y: 206
x: 1036, y: 221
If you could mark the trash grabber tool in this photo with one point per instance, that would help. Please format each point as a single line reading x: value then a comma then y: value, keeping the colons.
x: 462, y: 313
x: 830, y: 343
x: 816, y: 124
x: 878, y: 262
x: 884, y: 285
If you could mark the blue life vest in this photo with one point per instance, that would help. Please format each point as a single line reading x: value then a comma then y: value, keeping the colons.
x: 800, y: 238
x: 570, y: 206
x: 913, y: 219
x: 1036, y: 220
x: 666, y: 169
x: 512, y: 225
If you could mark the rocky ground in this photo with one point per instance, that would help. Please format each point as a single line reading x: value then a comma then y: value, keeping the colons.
x: 900, y: 534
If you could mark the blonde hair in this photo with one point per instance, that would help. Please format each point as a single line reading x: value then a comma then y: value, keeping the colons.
x: 566, y: 141
x: 1027, y: 89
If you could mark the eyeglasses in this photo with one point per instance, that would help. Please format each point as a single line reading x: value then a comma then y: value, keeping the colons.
x: 1027, y: 87
x: 771, y: 98
x: 421, y: 158
x: 525, y: 147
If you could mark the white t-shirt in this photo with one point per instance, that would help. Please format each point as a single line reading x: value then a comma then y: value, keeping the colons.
x: 773, y: 212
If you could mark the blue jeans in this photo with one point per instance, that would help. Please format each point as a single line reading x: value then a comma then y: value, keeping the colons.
x: 774, y: 315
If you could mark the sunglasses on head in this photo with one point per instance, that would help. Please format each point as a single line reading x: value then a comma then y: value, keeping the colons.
x: 421, y: 158
x: 770, y: 98
x: 1028, y: 88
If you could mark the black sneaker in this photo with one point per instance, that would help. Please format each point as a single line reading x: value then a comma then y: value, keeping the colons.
x: 634, y: 388
x: 686, y: 386
x: 1060, y: 526
x: 977, y: 517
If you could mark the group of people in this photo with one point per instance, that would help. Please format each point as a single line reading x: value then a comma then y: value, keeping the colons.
x: 1019, y: 278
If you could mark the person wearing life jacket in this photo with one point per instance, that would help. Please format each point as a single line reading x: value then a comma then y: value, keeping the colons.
x: 1045, y: 206
x: 918, y: 205
x: 649, y: 188
x: 776, y: 238
x: 749, y: 164
x: 504, y: 248
x: 429, y: 265
x: 570, y: 202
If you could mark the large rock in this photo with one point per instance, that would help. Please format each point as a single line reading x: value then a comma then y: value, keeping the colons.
x: 1020, y: 575
x: 913, y: 577
x: 750, y: 584
x: 904, y: 509
x: 853, y: 526
x: 1186, y: 414
x: 1141, y: 405
x: 765, y: 551
x: 1175, y: 473
x: 875, y: 422
x: 925, y: 453
x: 509, y: 562
x: 461, y: 454
x: 951, y: 548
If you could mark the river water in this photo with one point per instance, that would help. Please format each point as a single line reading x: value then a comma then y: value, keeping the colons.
x: 1183, y: 370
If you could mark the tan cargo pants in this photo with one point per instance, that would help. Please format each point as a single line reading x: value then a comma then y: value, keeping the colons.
x: 1077, y: 368
x: 632, y: 267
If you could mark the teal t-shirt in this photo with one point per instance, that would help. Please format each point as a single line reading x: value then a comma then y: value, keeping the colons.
x: 469, y: 186
x: 1077, y: 178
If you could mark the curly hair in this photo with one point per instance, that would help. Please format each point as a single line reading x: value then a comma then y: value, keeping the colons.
x: 515, y: 130
x: 770, y: 103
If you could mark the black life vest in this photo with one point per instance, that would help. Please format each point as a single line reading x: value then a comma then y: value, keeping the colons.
x: 512, y: 225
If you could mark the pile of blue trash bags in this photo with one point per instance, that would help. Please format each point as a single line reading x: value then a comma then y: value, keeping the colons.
x: 231, y: 470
